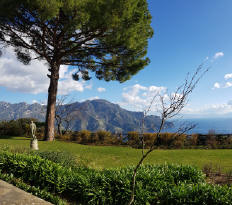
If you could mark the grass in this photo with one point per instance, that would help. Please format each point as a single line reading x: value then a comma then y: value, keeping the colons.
x: 101, y: 157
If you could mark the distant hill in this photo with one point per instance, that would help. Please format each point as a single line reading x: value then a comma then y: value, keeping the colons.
x: 91, y: 115
x: 10, y: 111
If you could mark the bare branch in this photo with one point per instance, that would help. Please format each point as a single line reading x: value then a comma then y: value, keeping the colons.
x: 170, y: 106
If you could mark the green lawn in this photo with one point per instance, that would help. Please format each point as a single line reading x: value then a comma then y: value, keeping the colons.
x: 112, y: 156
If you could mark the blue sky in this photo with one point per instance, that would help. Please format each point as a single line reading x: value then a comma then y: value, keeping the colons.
x: 186, y: 32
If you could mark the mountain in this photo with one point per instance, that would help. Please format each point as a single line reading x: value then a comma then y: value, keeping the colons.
x: 10, y: 111
x: 91, y: 115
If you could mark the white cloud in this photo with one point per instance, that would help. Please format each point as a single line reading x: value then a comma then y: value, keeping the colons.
x: 67, y: 84
x: 91, y: 98
x: 33, y: 78
x: 228, y: 84
x: 17, y: 77
x: 89, y: 87
x: 101, y: 89
x: 34, y: 101
x: 138, y: 97
x: 218, y: 55
x: 209, y: 110
x: 216, y: 85
x: 228, y: 76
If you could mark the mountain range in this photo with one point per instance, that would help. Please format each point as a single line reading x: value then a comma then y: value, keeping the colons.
x: 91, y: 115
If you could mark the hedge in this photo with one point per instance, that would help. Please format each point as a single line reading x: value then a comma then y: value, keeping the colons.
x: 164, y: 184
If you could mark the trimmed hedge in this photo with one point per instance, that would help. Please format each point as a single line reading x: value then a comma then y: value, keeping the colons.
x: 164, y: 184
x: 204, y: 194
x: 32, y: 189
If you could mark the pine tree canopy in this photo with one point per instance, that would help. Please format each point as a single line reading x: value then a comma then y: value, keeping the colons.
x: 107, y: 37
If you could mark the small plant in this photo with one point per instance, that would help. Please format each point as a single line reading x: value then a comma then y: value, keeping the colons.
x: 229, y: 177
x: 63, y: 158
x: 208, y: 169
x: 218, y: 170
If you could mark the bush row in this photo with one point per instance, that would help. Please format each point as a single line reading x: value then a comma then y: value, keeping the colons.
x: 18, y: 127
x: 164, y: 184
x: 167, y: 140
x: 133, y: 139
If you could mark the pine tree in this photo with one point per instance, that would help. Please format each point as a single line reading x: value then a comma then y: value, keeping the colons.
x: 106, y: 37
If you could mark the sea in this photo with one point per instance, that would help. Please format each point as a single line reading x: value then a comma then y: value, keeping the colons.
x: 204, y: 126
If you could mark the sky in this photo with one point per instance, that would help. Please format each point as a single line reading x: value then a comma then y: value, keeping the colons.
x: 186, y: 33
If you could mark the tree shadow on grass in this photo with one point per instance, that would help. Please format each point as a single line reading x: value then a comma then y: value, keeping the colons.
x: 5, y: 137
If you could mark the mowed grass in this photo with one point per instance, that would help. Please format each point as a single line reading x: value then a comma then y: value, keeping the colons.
x: 101, y: 157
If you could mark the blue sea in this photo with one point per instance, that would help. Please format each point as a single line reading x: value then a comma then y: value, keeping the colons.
x: 203, y: 126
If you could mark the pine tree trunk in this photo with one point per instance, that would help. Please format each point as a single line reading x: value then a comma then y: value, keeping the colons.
x: 51, y: 104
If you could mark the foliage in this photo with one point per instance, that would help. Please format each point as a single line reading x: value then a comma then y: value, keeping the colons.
x: 84, y: 135
x: 64, y: 158
x: 163, y: 184
x: 149, y: 139
x: 21, y: 127
x: 115, y: 40
x: 109, y: 39
x: 133, y: 139
x: 17, y: 127
x: 196, y: 194
x: 192, y: 140
x: 104, y: 136
x: 167, y: 140
x: 18, y: 182
x: 100, y: 137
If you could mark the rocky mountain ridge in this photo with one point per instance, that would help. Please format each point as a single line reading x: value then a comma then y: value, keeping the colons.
x: 91, y: 115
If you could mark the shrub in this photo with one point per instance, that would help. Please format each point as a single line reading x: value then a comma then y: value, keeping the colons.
x: 17, y: 127
x: 164, y: 184
x: 208, y: 169
x: 84, y: 135
x: 60, y: 157
x: 104, y: 137
x: 193, y: 139
x: 76, y: 137
x: 149, y: 139
x: 32, y: 189
x: 185, y: 194
x: 90, y: 186
x: 211, y: 141
x: 66, y: 137
x: 229, y: 140
x: 179, y: 140
x: 133, y: 139
x: 166, y: 139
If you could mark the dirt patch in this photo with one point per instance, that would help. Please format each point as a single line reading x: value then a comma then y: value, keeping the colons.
x: 220, y: 179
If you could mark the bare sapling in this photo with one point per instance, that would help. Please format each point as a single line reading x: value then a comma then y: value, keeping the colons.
x: 63, y: 115
x: 168, y: 106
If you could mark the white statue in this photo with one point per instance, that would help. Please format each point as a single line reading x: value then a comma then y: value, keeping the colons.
x: 33, y: 129
x: 34, y: 141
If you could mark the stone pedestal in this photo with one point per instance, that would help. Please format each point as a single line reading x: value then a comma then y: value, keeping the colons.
x: 34, y: 144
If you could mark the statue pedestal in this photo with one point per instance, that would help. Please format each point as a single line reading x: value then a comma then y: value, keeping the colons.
x: 34, y: 144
